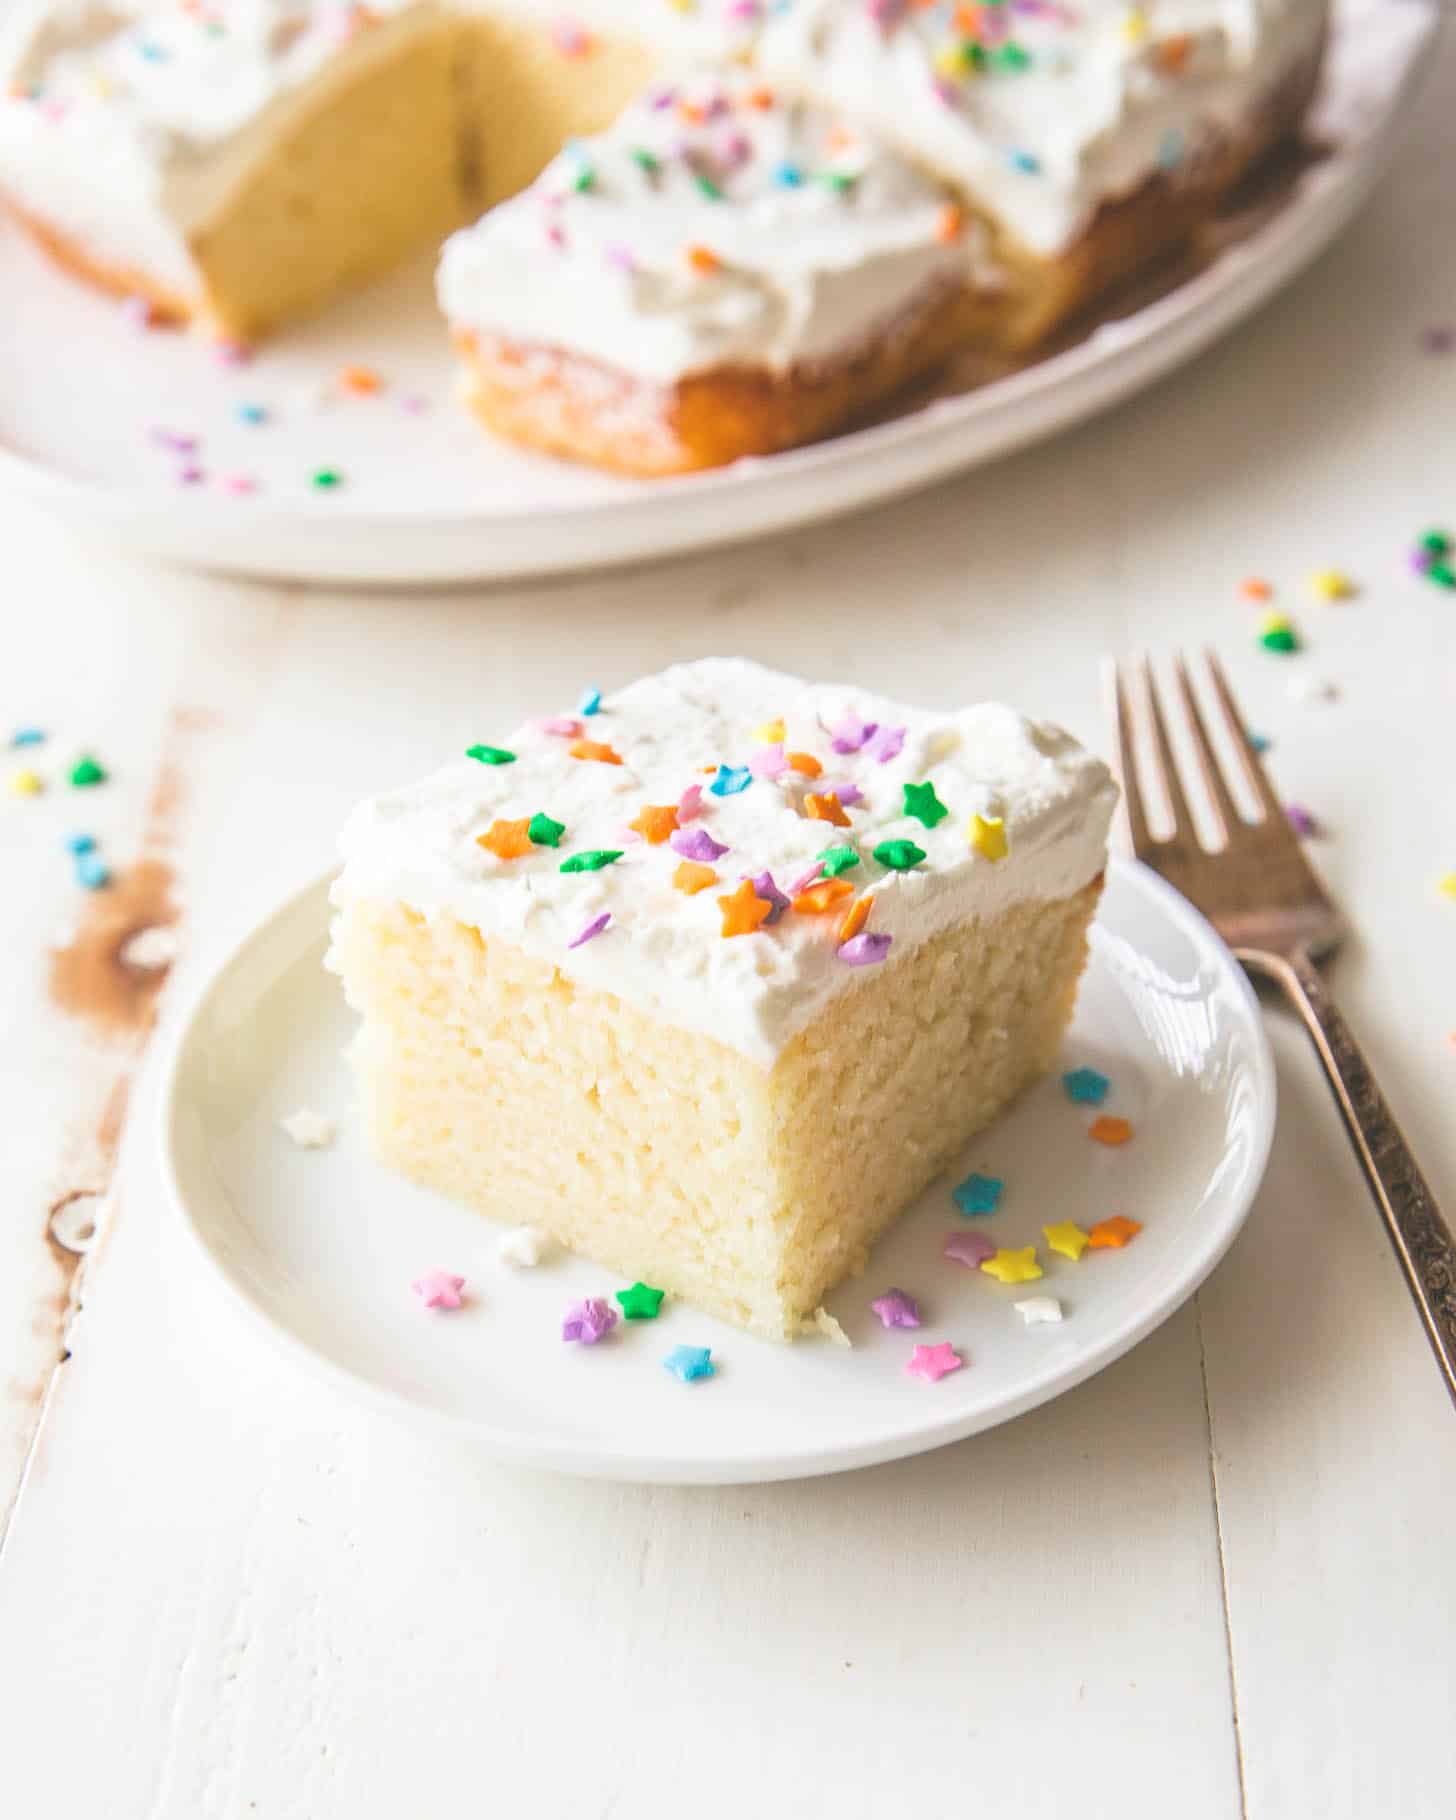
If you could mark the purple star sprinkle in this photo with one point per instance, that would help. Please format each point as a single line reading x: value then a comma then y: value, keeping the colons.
x: 864, y: 950
x: 851, y: 733
x: 887, y: 743
x: 178, y: 441
x: 690, y: 803
x: 768, y: 761
x: 190, y: 475
x: 1300, y: 819
x: 968, y: 1248
x: 765, y: 888
x: 696, y: 844
x: 848, y: 794
x: 593, y: 928
x: 896, y: 1309
x: 1421, y: 560
x: 589, y: 1321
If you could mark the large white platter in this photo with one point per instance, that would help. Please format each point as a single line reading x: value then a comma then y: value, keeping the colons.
x: 320, y: 1247
x: 427, y: 497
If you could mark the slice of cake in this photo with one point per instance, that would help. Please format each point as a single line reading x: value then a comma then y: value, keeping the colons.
x: 709, y: 980
x: 721, y: 273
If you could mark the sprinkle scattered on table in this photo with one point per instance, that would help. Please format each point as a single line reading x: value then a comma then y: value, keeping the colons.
x: 28, y: 736
x: 1038, y: 1308
x: 1113, y: 1234
x: 934, y: 1362
x: 523, y: 1247
x: 1312, y: 691
x: 86, y: 773
x: 1110, y: 1131
x: 92, y: 872
x: 1331, y: 584
x: 326, y: 480
x: 1254, y: 587
x: 640, y: 1302
x: 1086, y: 1087
x: 1446, y: 884
x: 25, y: 782
x: 896, y: 1309
x: 689, y: 1362
x: 439, y: 1289
x: 1301, y: 820
x: 1067, y: 1238
x: 588, y: 1321
x: 968, y: 1248
x: 1277, y: 633
x: 978, y: 1194
x: 1015, y: 1266
x: 310, y: 1130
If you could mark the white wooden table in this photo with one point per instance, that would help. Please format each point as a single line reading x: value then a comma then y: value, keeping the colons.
x: 1217, y: 1581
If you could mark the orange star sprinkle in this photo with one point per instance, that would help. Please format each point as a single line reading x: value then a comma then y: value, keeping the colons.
x: 949, y: 224
x: 804, y: 763
x: 825, y: 808
x: 1173, y: 53
x: 823, y: 896
x: 744, y: 911
x: 691, y: 878
x: 761, y: 98
x: 1109, y: 1131
x: 589, y: 748
x: 856, y: 917
x: 703, y: 259
x: 1113, y: 1234
x: 655, y: 823
x: 506, y: 840
x: 361, y: 381
x: 1255, y: 588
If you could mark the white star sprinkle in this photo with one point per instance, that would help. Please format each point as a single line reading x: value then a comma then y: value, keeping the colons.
x: 1039, y: 1308
x: 309, y: 1130
x: 523, y: 1246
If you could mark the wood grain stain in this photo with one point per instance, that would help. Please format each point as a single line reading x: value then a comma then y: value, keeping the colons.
x: 91, y: 978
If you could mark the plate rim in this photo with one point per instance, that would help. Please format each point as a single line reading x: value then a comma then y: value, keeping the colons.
x: 778, y: 1464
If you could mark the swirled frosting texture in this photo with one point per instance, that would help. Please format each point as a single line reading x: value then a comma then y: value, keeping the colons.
x: 662, y: 950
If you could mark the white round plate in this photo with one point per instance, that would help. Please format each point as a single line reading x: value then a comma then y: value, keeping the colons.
x: 321, y: 1246
x: 428, y: 497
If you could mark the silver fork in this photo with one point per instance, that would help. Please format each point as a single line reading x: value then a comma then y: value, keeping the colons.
x: 1259, y: 892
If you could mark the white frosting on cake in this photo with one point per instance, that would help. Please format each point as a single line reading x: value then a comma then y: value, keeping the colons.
x: 1042, y: 111
x: 814, y: 237
x: 663, y: 951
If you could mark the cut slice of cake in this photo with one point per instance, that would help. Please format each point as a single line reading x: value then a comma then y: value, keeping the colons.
x: 709, y: 981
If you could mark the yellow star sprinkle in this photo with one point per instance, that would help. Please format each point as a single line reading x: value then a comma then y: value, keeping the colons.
x: 25, y: 783
x: 1066, y: 1238
x: 987, y: 834
x: 1446, y: 885
x: 771, y: 733
x: 1014, y: 1266
x: 1331, y: 584
x: 1134, y: 25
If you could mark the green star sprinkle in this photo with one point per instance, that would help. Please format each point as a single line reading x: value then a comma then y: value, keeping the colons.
x: 592, y: 860
x: 545, y: 832
x: 835, y: 860
x: 1012, y: 57
x: 1278, y: 634
x: 922, y: 802
x: 899, y: 855
x: 1437, y: 542
x: 639, y: 1303
x: 646, y: 161
x: 491, y: 755
x: 326, y: 479
x: 1442, y: 574
x: 707, y: 187
x: 86, y: 772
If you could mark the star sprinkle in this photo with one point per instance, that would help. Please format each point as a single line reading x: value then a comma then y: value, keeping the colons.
x: 863, y: 950
x: 86, y: 772
x: 689, y: 1362
x: 884, y: 744
x: 542, y: 831
x: 978, y: 1194
x: 924, y: 805
x: 896, y: 1309
x: 856, y: 917
x: 934, y: 1362
x: 507, y: 840
x: 1086, y: 1087
x: 1301, y: 820
x: 655, y: 823
x: 640, y: 1303
x: 1109, y: 1131
x: 439, y: 1289
x: 1038, y: 1308
x: 1446, y: 884
x: 968, y: 1248
x: 590, y: 931
x: 1014, y: 1266
x: 987, y: 835
x: 691, y: 878
x: 899, y: 855
x: 590, y: 703
x: 523, y: 1247
x: 768, y: 761
x: 28, y: 736
x: 771, y: 733
x: 592, y: 859
x: 25, y: 782
x: 1113, y: 1234
x: 589, y: 1321
x: 594, y: 752
x: 1066, y: 1238
x: 690, y: 803
x: 491, y: 755
x: 851, y: 733
x: 731, y: 780
x: 309, y: 1130
x: 822, y: 896
x: 835, y: 860
x: 765, y: 887
x: 804, y: 763
x: 1277, y: 633
x: 744, y: 912
x: 92, y: 872
x: 1331, y: 584
x: 825, y: 808
x: 697, y: 844
x: 1254, y: 587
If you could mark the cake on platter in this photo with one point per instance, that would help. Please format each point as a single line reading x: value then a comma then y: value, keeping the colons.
x: 682, y: 250
x: 710, y: 979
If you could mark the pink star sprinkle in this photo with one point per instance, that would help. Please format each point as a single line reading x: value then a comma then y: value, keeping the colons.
x: 233, y: 353
x: 768, y: 761
x: 562, y: 725
x: 690, y: 803
x: 589, y: 1321
x: 851, y: 733
x: 896, y: 1309
x: 934, y: 1362
x: 887, y: 743
x: 593, y: 929
x: 968, y: 1248
x: 811, y: 877
x: 238, y: 483
x: 438, y: 1289
x: 698, y: 845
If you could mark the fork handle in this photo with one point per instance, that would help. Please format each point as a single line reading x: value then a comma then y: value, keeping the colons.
x: 1423, y: 1241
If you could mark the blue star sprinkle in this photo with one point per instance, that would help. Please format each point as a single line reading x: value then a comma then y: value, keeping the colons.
x: 689, y: 1362
x: 978, y: 1194
x: 590, y: 703
x: 732, y: 780
x: 1086, y: 1086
